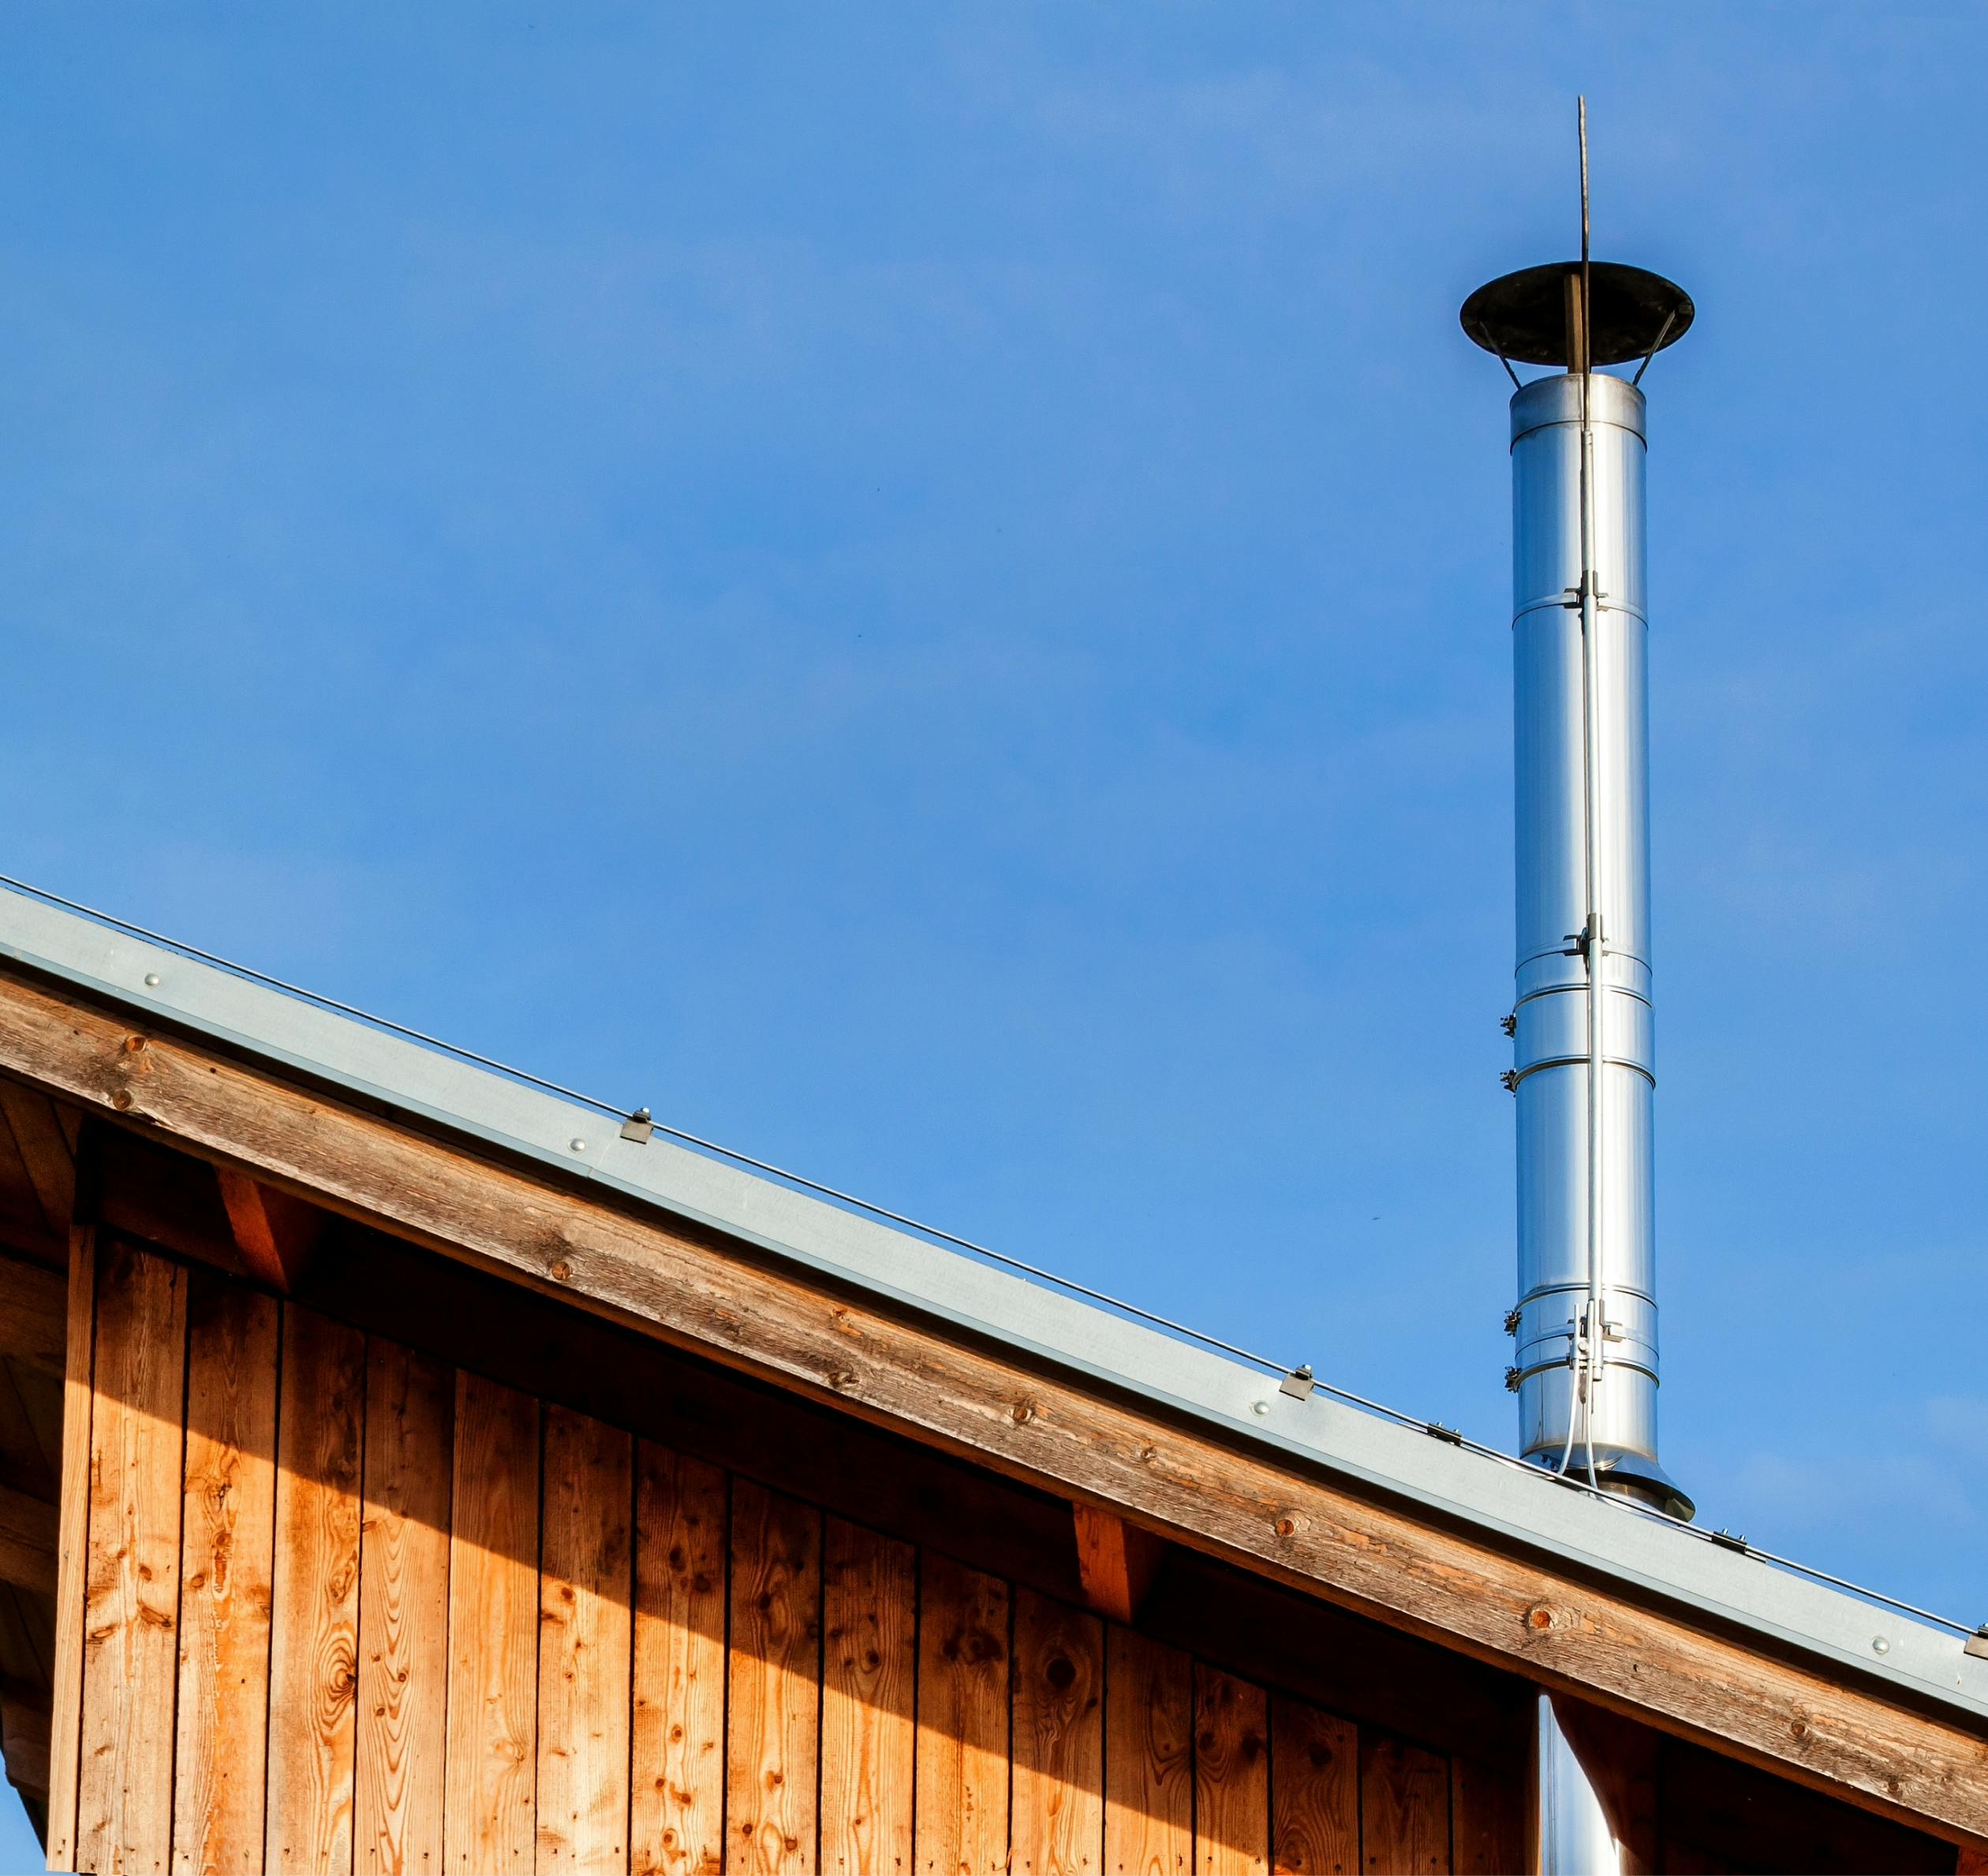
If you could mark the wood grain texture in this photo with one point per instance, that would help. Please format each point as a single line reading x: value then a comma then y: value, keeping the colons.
x: 1057, y: 1795
x: 1487, y: 1820
x: 227, y: 1550
x: 1512, y: 1607
x: 1315, y: 1788
x: 492, y: 1753
x: 131, y: 1618
x: 772, y: 1737
x: 71, y: 1561
x: 1148, y: 1757
x: 963, y: 1681
x: 870, y: 1676
x: 314, y: 1614
x: 1232, y: 1775
x: 1404, y: 1808
x: 403, y: 1612
x: 586, y: 1592
x: 677, y: 1810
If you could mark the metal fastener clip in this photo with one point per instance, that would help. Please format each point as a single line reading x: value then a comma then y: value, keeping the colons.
x: 638, y: 1127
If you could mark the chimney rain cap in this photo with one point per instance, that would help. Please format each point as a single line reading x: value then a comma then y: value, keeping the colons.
x: 1523, y: 316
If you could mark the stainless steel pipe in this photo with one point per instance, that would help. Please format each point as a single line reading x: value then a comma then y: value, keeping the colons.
x: 1586, y: 1364
x: 1575, y: 1837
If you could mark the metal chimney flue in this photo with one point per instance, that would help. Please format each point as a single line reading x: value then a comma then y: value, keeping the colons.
x: 1584, y: 1364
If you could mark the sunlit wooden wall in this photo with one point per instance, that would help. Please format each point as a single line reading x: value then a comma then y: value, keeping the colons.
x: 340, y: 1606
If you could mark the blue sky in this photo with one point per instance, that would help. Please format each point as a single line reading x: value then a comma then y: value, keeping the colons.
x: 923, y: 590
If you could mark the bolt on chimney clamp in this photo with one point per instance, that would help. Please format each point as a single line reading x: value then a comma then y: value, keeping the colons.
x: 1511, y: 1320
x: 1509, y: 1081
x: 1298, y: 1383
x: 1512, y: 1378
x: 1509, y: 1024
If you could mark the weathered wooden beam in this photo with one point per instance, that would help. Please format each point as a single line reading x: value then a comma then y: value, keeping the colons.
x: 34, y: 1313
x: 27, y: 1538
x: 1567, y: 1632
x: 274, y: 1233
x: 1117, y: 1562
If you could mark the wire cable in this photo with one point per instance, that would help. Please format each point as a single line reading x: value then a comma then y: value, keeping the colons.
x: 1572, y: 1481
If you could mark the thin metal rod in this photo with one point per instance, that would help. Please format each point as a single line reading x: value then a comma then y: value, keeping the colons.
x: 1663, y: 333
x: 1508, y: 1460
x: 1485, y: 337
x: 312, y: 996
x: 675, y: 1133
x: 1587, y: 303
x: 1590, y: 1357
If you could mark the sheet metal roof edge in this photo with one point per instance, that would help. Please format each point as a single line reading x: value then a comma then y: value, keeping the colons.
x: 1519, y: 1506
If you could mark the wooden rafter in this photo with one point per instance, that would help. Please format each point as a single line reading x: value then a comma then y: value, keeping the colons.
x: 1116, y: 1560
x: 274, y: 1233
x: 1567, y: 1632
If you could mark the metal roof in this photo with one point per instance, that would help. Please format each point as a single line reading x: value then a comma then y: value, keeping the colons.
x: 1512, y: 1506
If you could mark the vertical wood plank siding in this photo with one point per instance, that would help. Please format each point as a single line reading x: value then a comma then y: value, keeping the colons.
x: 1405, y: 1812
x: 962, y: 1772
x: 337, y: 1606
x: 1232, y: 1775
x: 773, y: 1737
x: 1058, y: 1733
x: 1315, y: 1776
x: 676, y: 1809
x: 130, y: 1607
x: 1148, y: 1757
x: 490, y: 1821
x: 314, y: 1605
x: 869, y: 1685
x: 404, y: 1611
x: 228, y: 1540
x: 586, y: 1594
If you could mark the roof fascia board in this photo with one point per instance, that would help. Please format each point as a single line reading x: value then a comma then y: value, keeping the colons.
x: 1517, y: 1507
